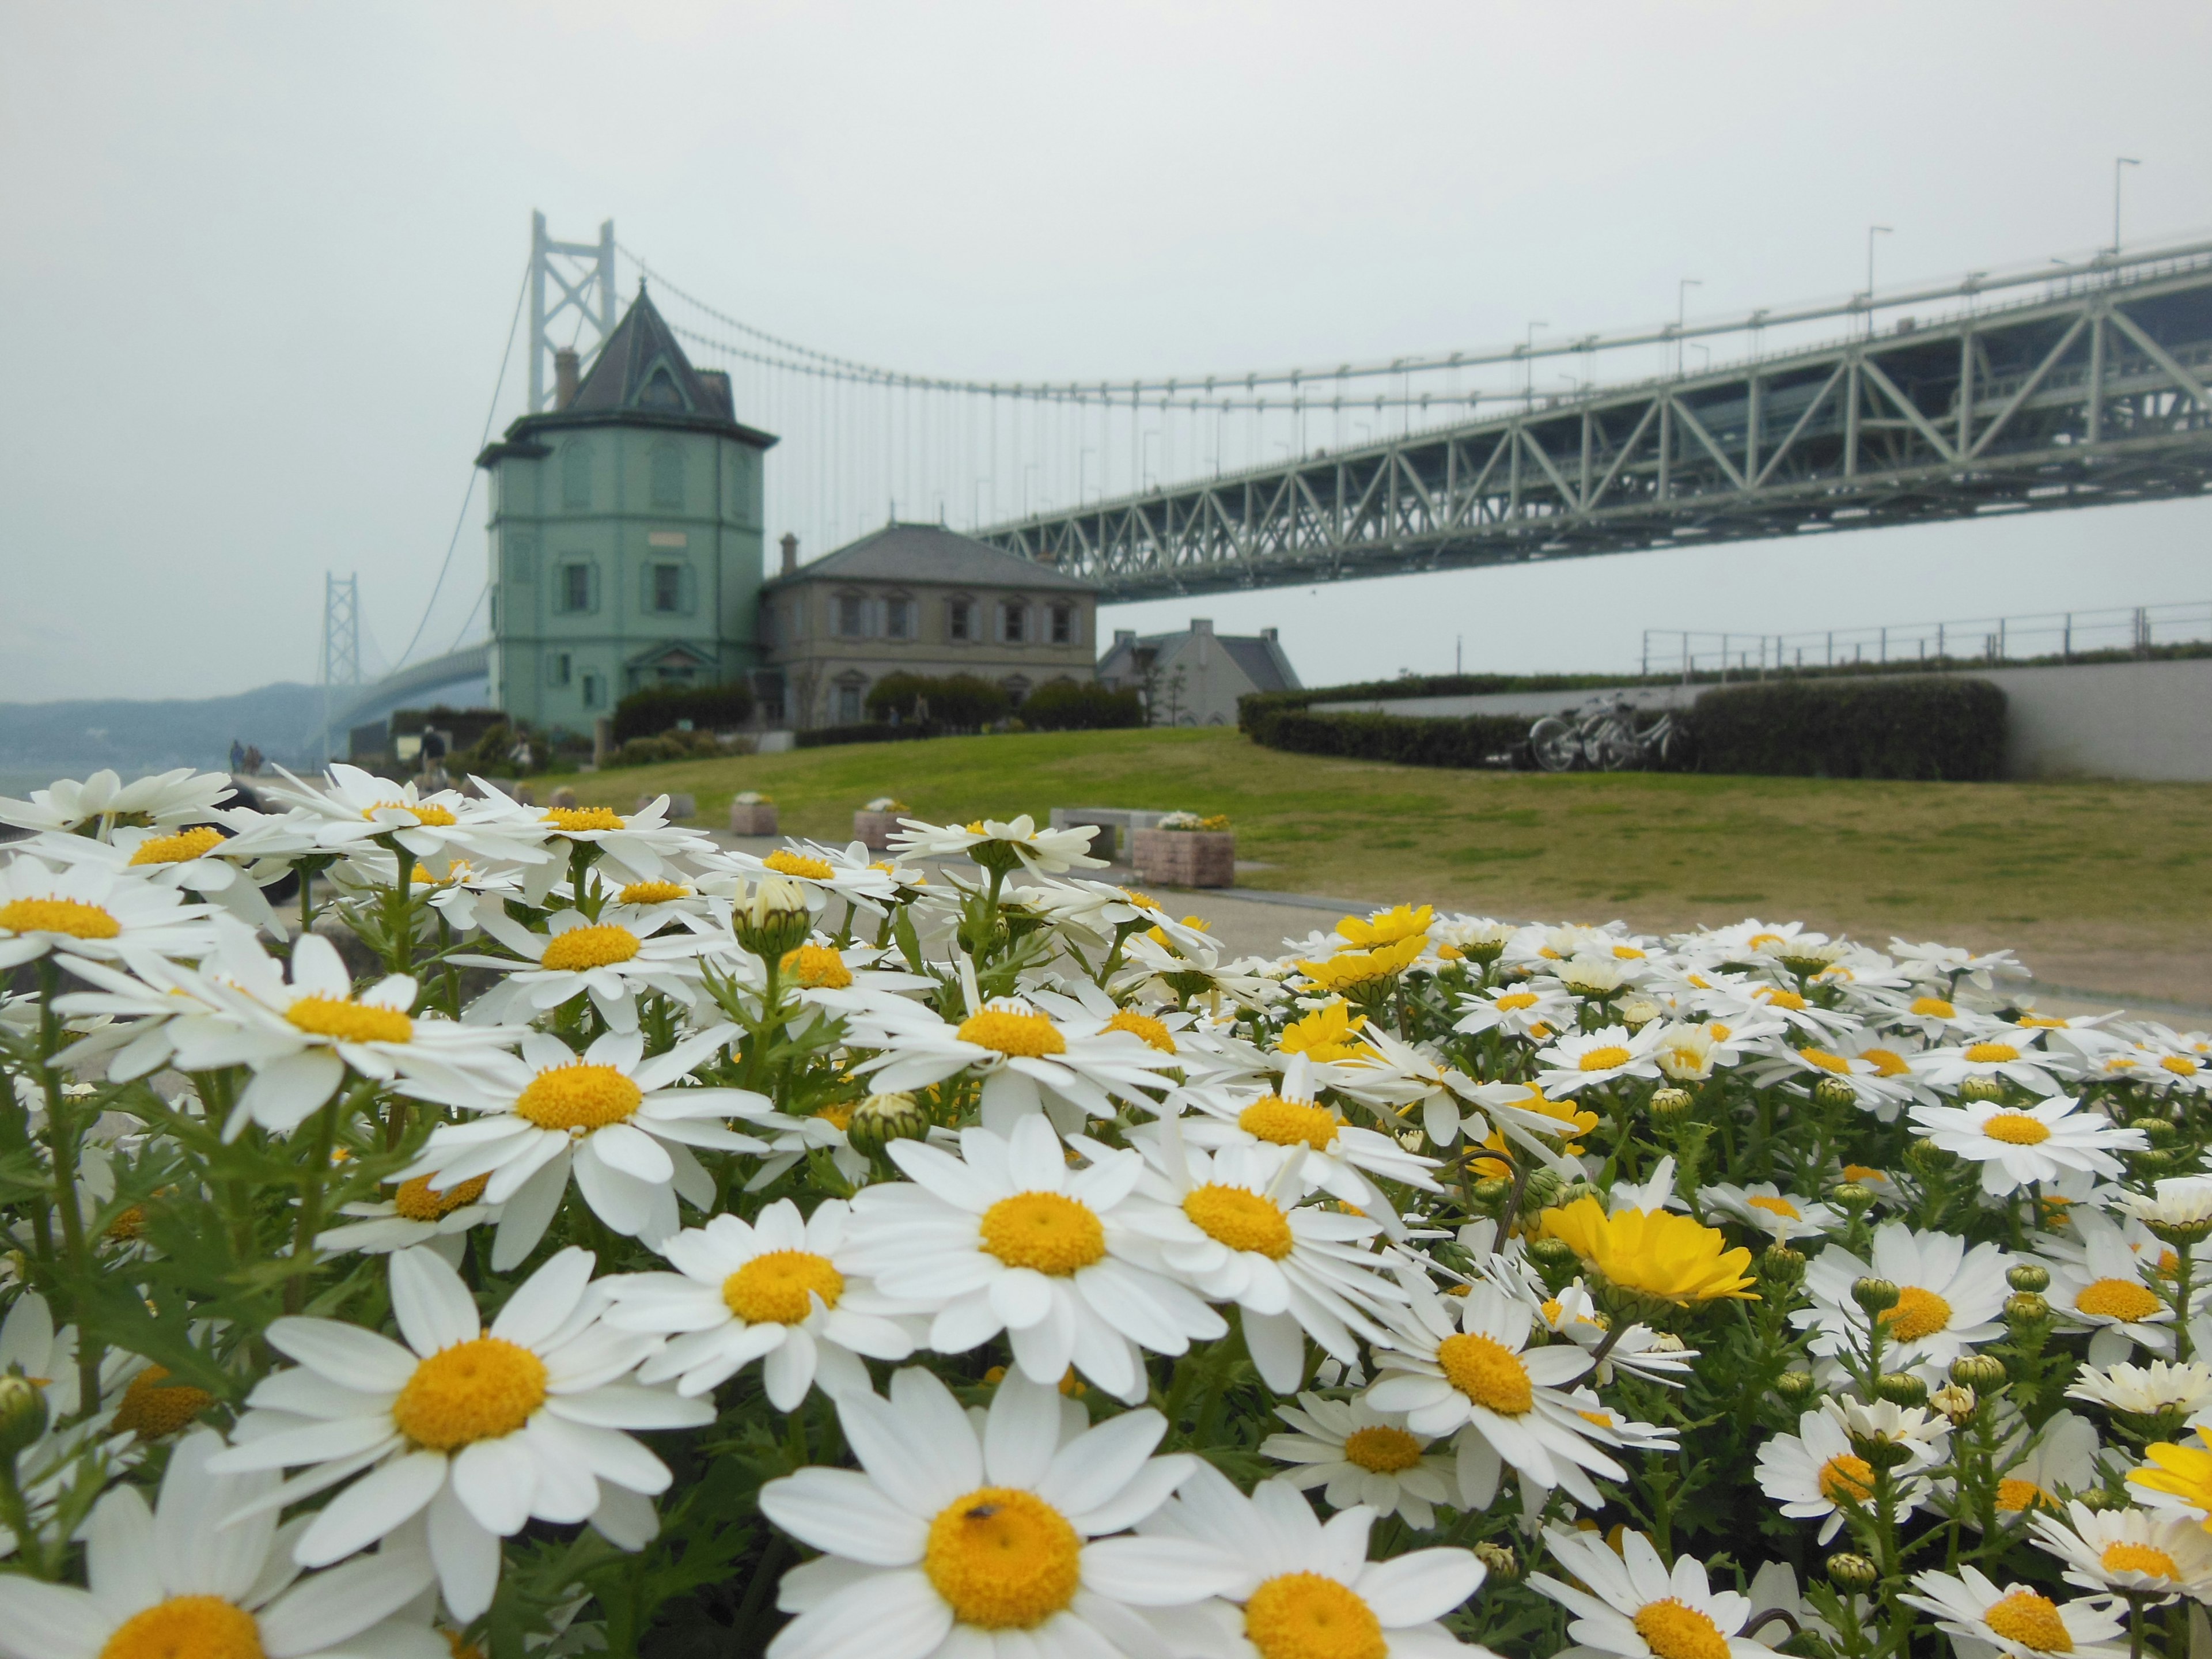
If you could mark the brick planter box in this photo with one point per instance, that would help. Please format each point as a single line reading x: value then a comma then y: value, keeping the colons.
x: 753, y: 818
x: 1185, y: 858
x: 873, y: 830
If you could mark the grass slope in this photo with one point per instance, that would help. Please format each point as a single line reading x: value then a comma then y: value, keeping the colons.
x: 2097, y: 884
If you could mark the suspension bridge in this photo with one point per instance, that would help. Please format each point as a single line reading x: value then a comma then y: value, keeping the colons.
x: 2069, y: 383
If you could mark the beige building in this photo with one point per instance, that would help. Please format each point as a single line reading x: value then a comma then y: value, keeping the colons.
x: 1195, y: 677
x: 916, y: 598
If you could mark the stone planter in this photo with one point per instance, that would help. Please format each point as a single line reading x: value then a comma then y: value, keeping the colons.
x: 680, y: 807
x: 1184, y: 858
x: 753, y: 818
x: 873, y: 830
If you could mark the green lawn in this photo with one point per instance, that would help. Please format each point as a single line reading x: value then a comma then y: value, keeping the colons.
x: 2096, y: 883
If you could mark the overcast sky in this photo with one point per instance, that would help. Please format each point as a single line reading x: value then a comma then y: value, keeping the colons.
x: 257, y: 261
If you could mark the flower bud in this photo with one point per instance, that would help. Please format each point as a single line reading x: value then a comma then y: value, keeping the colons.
x: 1853, y: 1572
x: 1780, y: 1266
x: 2097, y: 1498
x: 1504, y: 1565
x: 2028, y: 1277
x: 1955, y: 1402
x: 1875, y: 1295
x: 2026, y: 1309
x: 1835, y: 1092
x: 881, y: 1119
x: 1982, y: 1089
x: 1492, y: 1192
x: 23, y: 1413
x: 1552, y: 1254
x: 1543, y: 1189
x: 773, y: 920
x: 1637, y: 1012
x: 2156, y: 1130
x: 1925, y: 1158
x: 1983, y: 1371
x: 1852, y: 1196
x: 1796, y: 1387
x: 1901, y: 1388
x: 1671, y: 1105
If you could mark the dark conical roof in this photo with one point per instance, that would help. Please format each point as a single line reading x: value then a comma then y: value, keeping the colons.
x: 642, y: 376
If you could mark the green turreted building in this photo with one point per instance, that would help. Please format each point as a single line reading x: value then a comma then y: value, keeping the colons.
x: 626, y: 544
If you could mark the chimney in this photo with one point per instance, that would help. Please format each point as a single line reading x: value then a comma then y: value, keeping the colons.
x: 1124, y: 636
x: 790, y: 553
x: 564, y: 377
x: 717, y: 382
x: 1267, y: 634
x: 1201, y: 624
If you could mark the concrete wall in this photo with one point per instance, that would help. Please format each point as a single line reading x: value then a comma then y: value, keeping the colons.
x: 2148, y: 720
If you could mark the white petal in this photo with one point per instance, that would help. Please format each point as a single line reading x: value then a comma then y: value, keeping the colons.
x: 329, y: 1608
x: 432, y: 1306
x: 348, y: 1355
x: 543, y: 1301
x: 887, y: 1615
x: 195, y: 1557
x: 497, y: 1480
x: 48, y: 1621
x: 1090, y: 1470
x: 1415, y: 1587
x: 120, y: 1555
x: 467, y: 1557
x: 1021, y: 1433
x: 373, y: 1507
x: 918, y: 1446
x: 1158, y: 1572
x: 844, y: 1511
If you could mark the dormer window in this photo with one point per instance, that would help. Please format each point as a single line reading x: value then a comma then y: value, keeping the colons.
x: 660, y: 392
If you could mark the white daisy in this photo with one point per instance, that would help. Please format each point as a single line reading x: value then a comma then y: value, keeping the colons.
x: 1232, y: 1226
x: 781, y: 1289
x: 1358, y: 1455
x: 825, y: 872
x: 951, y: 1541
x: 1532, y: 1011
x: 2151, y: 1555
x: 1949, y: 1300
x: 176, y: 1580
x: 1634, y: 1608
x: 1871, y: 1087
x: 1007, y: 1237
x: 616, y: 1120
x: 1339, y: 1159
x: 1948, y: 964
x: 2005, y: 1055
x: 2180, y: 1203
x: 2020, y: 1622
x: 1816, y: 1473
x: 2160, y: 1389
x: 1782, y: 1216
x: 999, y: 847
x: 1477, y: 1375
x: 2016, y: 1147
x: 484, y: 1428
x: 355, y: 807
x: 1585, y: 1059
x: 1303, y: 1590
x: 624, y: 950
x: 2038, y: 1468
x: 82, y: 911
x: 2105, y: 1290
x: 412, y: 1215
x: 182, y: 796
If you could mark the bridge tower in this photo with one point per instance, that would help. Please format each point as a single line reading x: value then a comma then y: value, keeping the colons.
x: 584, y: 273
x: 340, y: 664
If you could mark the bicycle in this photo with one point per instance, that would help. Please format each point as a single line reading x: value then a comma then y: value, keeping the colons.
x: 1604, y: 736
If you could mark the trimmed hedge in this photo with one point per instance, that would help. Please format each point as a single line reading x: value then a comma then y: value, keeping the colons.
x: 828, y: 737
x: 1469, y: 740
x: 1088, y: 706
x: 955, y: 701
x: 656, y: 709
x: 1951, y: 730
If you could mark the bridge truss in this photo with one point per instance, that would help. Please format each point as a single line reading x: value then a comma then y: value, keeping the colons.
x: 2093, y: 392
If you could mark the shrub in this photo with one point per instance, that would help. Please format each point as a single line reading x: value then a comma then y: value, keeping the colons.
x: 1926, y: 728
x: 955, y: 703
x: 1085, y: 708
x: 657, y: 708
x: 1467, y: 740
x: 827, y: 736
x: 671, y: 746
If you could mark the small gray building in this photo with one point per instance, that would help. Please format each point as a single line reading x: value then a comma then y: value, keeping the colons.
x: 1195, y: 677
x: 917, y: 598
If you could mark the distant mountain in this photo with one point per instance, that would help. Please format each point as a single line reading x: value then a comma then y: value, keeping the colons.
x: 284, y: 721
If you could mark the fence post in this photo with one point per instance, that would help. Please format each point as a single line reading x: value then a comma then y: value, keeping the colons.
x: 1885, y: 645
x: 2004, y: 650
x: 1724, y: 662
x: 1939, y: 640
x: 2066, y: 641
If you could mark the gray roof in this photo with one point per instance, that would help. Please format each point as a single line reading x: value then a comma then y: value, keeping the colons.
x: 1261, y: 659
x: 931, y: 553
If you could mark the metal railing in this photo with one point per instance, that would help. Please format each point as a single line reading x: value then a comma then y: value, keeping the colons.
x: 2063, y: 634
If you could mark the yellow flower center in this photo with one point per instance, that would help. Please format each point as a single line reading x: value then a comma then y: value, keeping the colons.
x: 1381, y: 1449
x: 1003, y: 1560
x: 481, y: 1389
x: 797, y: 863
x: 180, y: 848
x: 580, y: 948
x: 348, y: 1021
x: 1487, y: 1372
x: 2015, y: 1495
x: 57, y: 915
x: 1305, y: 1615
x: 1673, y: 1631
x: 128, y: 1223
x: 1789, y: 1000
x: 152, y: 1407
x: 652, y: 892
x: 779, y: 1287
x: 1886, y: 1062
x: 1846, y: 1477
x: 1991, y: 1054
x: 583, y: 819
x: 2179, y: 1065
x: 2016, y: 1129
x: 1282, y: 1122
x: 817, y: 967
x: 1934, y: 1007
x: 1241, y: 1220
x: 1514, y: 1001
x: 1781, y: 1206
x: 1604, y: 1059
x: 1917, y: 1314
x: 414, y: 1202
x: 1144, y: 1026
x: 437, y: 817
x: 1824, y: 1060
x: 2032, y: 1620
x: 186, y: 1627
x: 578, y: 1097
x: 1862, y: 1172
x: 2118, y: 1298
x: 837, y: 1117
x: 1047, y: 1232
x: 2124, y: 1557
x: 1013, y: 1031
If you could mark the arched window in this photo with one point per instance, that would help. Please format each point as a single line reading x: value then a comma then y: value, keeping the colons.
x: 668, y: 474
x: 576, y: 476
